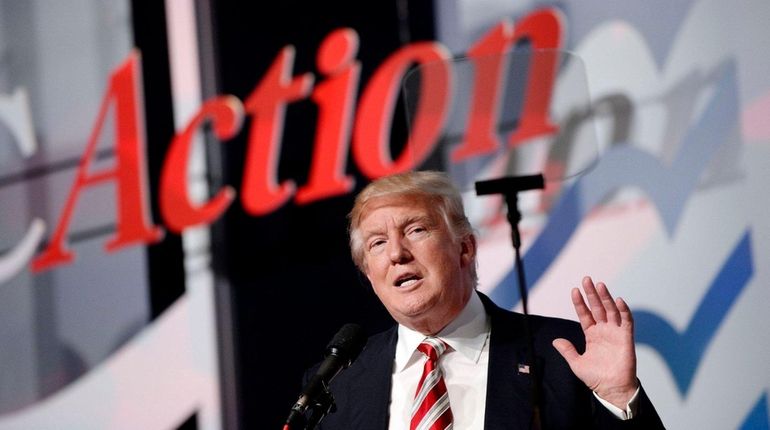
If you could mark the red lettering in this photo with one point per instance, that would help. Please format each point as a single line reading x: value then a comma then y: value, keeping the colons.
x: 488, y: 56
x: 544, y: 29
x: 371, y: 136
x: 133, y: 225
x: 335, y: 98
x: 261, y: 193
x: 226, y: 115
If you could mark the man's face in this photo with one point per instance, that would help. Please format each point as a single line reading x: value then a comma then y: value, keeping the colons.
x: 419, y: 271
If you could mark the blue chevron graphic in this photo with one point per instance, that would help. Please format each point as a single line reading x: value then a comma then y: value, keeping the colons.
x: 683, y: 352
x: 625, y: 166
x: 758, y: 418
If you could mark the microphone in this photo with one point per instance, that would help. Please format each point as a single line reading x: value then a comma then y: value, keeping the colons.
x: 340, y: 353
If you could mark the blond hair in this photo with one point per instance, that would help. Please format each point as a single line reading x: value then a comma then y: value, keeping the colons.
x: 432, y: 186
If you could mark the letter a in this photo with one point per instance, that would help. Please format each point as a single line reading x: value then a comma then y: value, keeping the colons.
x: 133, y: 224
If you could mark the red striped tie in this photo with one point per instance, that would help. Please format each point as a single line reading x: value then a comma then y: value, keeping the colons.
x: 431, y: 402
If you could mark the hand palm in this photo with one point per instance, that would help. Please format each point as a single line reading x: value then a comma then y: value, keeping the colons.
x: 608, y: 365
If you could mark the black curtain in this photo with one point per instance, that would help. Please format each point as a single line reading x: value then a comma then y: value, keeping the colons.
x: 293, y: 283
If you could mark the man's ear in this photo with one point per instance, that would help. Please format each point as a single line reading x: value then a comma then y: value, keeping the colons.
x: 468, y: 249
x: 364, y: 270
x: 363, y: 278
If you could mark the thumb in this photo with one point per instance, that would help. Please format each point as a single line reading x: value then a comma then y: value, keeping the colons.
x: 566, y: 349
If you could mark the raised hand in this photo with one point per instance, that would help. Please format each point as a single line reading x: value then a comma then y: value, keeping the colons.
x: 608, y: 365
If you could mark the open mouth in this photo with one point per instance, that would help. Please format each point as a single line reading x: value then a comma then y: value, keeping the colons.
x: 407, y: 280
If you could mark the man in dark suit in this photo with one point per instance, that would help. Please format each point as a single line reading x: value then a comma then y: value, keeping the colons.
x: 410, y: 237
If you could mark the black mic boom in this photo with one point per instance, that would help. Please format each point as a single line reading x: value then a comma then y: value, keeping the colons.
x: 340, y: 353
x: 510, y: 184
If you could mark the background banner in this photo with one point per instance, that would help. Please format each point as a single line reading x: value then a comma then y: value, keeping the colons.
x: 175, y: 180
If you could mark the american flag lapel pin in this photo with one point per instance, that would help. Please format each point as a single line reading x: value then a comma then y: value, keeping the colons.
x: 523, y: 369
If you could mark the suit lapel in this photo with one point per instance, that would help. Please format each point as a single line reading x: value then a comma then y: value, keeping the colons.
x: 372, y: 380
x: 509, y: 387
x: 509, y: 390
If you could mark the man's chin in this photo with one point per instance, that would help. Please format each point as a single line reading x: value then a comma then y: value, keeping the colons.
x: 421, y: 320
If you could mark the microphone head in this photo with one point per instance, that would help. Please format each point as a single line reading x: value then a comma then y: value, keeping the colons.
x: 347, y: 343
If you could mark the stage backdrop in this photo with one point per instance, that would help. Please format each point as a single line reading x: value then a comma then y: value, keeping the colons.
x: 670, y: 216
x: 197, y: 162
x: 673, y: 215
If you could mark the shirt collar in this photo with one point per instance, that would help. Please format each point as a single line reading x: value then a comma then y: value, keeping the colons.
x: 466, y: 334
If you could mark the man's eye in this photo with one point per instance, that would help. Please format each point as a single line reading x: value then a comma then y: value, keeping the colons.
x: 417, y: 230
x: 376, y: 243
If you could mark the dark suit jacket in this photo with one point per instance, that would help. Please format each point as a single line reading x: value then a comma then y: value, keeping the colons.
x: 362, y: 392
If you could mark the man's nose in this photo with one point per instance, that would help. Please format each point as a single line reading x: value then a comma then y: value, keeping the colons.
x: 398, y: 250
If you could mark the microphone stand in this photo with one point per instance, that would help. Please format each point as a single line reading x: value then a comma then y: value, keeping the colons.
x: 321, y: 406
x: 316, y: 401
x: 509, y: 187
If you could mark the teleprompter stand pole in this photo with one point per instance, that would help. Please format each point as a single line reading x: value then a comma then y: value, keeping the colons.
x: 509, y: 187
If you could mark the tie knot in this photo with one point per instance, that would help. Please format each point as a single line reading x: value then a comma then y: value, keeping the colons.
x: 433, y: 347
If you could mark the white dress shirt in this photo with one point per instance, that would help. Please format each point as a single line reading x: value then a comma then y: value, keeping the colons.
x: 464, y: 365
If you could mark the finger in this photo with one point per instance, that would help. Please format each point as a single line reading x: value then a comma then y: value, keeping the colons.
x: 626, y: 317
x: 582, y: 311
x: 613, y: 315
x: 566, y: 349
x: 597, y: 309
